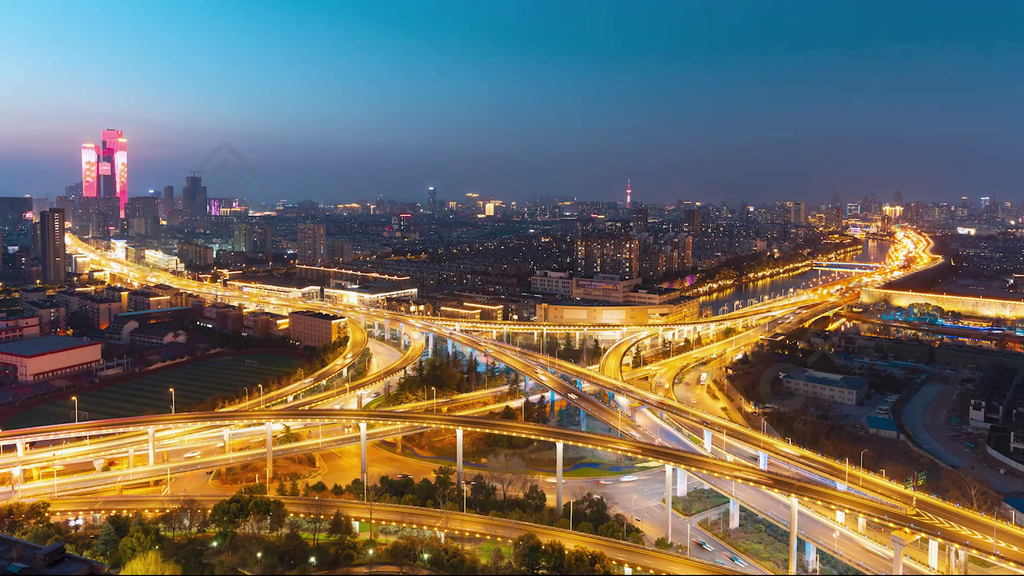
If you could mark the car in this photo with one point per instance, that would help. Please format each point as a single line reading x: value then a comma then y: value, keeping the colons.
x: 693, y: 400
x: 375, y: 394
x: 735, y: 559
x: 192, y: 454
x: 553, y: 480
x: 404, y: 476
x: 702, y: 544
x: 602, y: 482
x: 572, y: 396
x: 628, y: 478
x: 1002, y: 471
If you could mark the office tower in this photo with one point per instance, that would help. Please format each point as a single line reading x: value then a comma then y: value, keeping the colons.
x: 852, y: 210
x: 639, y: 217
x: 244, y: 238
x: 112, y: 168
x: 193, y: 197
x: 67, y: 204
x: 51, y: 247
x: 432, y: 200
x: 691, y: 217
x: 897, y: 198
x: 167, y: 202
x: 143, y: 216
x: 312, y: 243
x: 90, y: 170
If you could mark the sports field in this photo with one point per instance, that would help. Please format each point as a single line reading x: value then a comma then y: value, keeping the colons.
x: 148, y: 394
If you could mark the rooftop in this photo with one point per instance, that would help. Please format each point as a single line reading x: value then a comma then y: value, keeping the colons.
x: 318, y: 315
x: 157, y: 312
x: 43, y: 345
x: 827, y: 379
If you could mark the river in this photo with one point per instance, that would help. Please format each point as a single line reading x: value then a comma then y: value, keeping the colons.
x: 873, y: 251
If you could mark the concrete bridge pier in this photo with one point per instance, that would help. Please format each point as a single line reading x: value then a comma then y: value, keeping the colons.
x: 762, y: 460
x: 551, y: 402
x: 734, y: 514
x: 20, y: 472
x: 682, y: 482
x: 270, y: 452
x: 152, y: 446
x: 430, y: 345
x: 583, y: 421
x: 227, y: 441
x: 794, y: 510
x: 841, y: 517
x: 933, y: 554
x: 668, y: 503
x: 458, y: 457
x: 559, y: 450
x: 131, y: 461
x: 362, y: 451
x: 862, y: 525
x: 707, y: 441
x: 810, y: 557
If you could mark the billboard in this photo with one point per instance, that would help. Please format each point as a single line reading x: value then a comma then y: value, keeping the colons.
x: 121, y: 171
x: 589, y: 284
x: 90, y: 157
x: 105, y: 169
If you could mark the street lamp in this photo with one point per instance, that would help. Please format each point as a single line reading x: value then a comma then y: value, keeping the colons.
x: 847, y: 470
x: 261, y: 396
x: 434, y: 390
x: 246, y: 394
x: 75, y: 398
x: 172, y: 400
x: 862, y: 466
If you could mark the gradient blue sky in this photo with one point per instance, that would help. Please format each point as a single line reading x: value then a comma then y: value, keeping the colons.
x: 347, y: 100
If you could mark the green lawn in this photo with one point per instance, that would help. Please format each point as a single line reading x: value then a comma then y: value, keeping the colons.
x: 149, y: 394
x: 698, y: 501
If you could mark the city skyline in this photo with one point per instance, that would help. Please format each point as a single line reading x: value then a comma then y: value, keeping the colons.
x: 800, y: 101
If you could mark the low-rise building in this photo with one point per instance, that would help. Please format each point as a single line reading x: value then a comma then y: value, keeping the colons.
x: 368, y: 295
x: 52, y: 315
x: 100, y: 311
x: 47, y: 357
x: 159, y: 334
x: 989, y: 402
x: 18, y: 327
x: 550, y: 282
x: 24, y: 557
x: 315, y: 329
x: 263, y: 324
x: 840, y: 388
x: 139, y: 300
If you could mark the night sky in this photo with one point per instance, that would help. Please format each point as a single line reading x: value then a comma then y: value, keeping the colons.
x: 346, y: 100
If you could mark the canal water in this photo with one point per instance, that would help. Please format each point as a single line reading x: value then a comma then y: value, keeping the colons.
x: 873, y: 251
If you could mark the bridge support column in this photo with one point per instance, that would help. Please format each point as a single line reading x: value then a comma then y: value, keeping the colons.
x: 449, y: 347
x: 898, y: 545
x: 707, y: 441
x: 20, y: 472
x: 387, y: 330
x: 762, y: 460
x: 794, y: 509
x: 933, y: 555
x: 668, y: 503
x: 430, y: 345
x: 862, y: 525
x: 682, y: 482
x: 131, y: 461
x: 734, y: 514
x: 558, y: 476
x: 957, y: 560
x: 552, y: 403
x: 841, y: 517
x: 810, y: 556
x: 152, y: 446
x: 376, y: 328
x: 362, y: 452
x: 840, y: 486
x: 458, y: 457
x: 227, y: 441
x: 583, y: 421
x: 270, y: 452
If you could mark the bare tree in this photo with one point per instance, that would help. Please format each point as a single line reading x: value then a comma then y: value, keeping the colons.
x: 505, y: 470
x: 973, y: 493
x: 445, y: 497
x: 190, y: 518
x: 318, y: 519
x: 373, y: 494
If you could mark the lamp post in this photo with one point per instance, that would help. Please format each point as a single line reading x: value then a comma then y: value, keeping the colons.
x: 862, y: 466
x: 172, y: 400
x: 246, y: 388
x: 75, y: 398
x: 261, y: 396
x: 847, y: 470
x: 434, y: 390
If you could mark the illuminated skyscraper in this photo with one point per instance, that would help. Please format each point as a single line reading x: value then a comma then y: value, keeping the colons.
x: 51, y: 247
x: 90, y: 167
x: 432, y: 199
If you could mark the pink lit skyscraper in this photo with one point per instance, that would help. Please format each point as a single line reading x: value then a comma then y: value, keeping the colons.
x: 90, y: 170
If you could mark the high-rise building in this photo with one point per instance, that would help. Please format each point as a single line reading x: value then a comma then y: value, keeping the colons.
x: 51, y: 247
x: 244, y: 238
x: 432, y: 200
x: 312, y: 243
x: 113, y: 167
x: 90, y: 170
x: 798, y: 213
x: 852, y: 210
x: 74, y: 191
x: 897, y: 198
x: 617, y: 254
x: 143, y: 216
x: 193, y: 197
x: 67, y: 204
x: 264, y: 237
x: 691, y: 217
x: 167, y: 202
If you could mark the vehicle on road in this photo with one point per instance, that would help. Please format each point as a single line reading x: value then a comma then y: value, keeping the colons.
x: 404, y: 476
x: 602, y: 482
x: 735, y: 559
x: 553, y: 480
x: 192, y: 454
x: 702, y: 544
x: 628, y: 478
x: 703, y: 377
x: 693, y: 400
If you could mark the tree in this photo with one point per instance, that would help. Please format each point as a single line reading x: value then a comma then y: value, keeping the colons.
x: 974, y: 494
x: 317, y: 520
x: 190, y: 517
x: 340, y: 526
x: 140, y: 539
x: 151, y: 563
x: 106, y: 542
x: 504, y: 470
x: 526, y: 553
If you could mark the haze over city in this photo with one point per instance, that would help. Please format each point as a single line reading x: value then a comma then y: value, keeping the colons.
x: 515, y: 287
x: 343, y: 102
